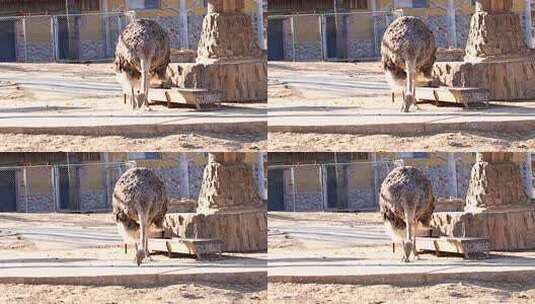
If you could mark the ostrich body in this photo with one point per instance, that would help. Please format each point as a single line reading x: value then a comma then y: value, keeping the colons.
x: 406, y: 201
x: 139, y: 202
x: 407, y: 53
x: 142, y: 53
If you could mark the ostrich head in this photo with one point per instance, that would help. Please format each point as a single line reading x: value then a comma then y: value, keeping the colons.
x: 408, y: 101
x: 140, y: 255
x: 407, y: 249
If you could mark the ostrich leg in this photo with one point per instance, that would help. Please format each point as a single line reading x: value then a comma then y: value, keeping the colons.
x: 143, y: 100
x: 407, y: 243
x: 141, y: 252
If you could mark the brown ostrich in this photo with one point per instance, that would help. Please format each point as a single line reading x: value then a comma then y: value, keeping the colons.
x: 407, y: 54
x: 139, y: 202
x: 142, y: 53
x: 406, y: 201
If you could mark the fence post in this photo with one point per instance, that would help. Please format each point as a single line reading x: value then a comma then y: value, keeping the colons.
x: 292, y: 181
x: 183, y: 168
x: 528, y: 175
x: 53, y: 37
x: 25, y: 39
x: 322, y: 186
x: 293, y: 37
x: 25, y: 178
x: 452, y: 176
x: 54, y: 193
x: 321, y: 37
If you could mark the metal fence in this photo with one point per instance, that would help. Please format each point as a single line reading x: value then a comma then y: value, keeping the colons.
x: 323, y: 187
x: 61, y: 38
x: 358, y: 35
x: 327, y: 36
x: 59, y: 188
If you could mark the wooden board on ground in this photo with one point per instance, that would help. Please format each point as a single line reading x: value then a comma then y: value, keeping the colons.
x: 199, y: 99
x: 200, y: 248
x: 468, y: 97
x: 469, y: 247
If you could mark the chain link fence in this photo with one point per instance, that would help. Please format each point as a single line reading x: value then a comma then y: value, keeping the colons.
x: 327, y: 187
x: 60, y: 188
x: 61, y: 38
x: 327, y: 36
x: 358, y: 35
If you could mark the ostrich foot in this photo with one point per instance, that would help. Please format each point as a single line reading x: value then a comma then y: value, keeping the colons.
x: 405, y: 259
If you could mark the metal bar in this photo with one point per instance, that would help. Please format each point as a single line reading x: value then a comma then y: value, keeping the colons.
x: 25, y: 39
x: 25, y: 178
x: 292, y: 181
x: 293, y: 37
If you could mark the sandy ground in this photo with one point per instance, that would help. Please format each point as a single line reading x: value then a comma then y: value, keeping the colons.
x: 447, y: 292
x: 74, y: 88
x: 195, y: 141
x: 12, y: 246
x: 324, y: 86
x: 180, y: 293
x: 459, y: 141
x: 458, y: 292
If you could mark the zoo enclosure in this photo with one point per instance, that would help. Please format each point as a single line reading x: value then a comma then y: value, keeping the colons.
x: 358, y: 35
x: 60, y: 188
x: 61, y: 38
x: 327, y: 186
x: 327, y: 36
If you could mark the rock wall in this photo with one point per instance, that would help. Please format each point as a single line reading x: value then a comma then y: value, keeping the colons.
x: 494, y: 35
x: 227, y: 36
x: 240, y: 81
x: 240, y: 231
x: 495, y: 186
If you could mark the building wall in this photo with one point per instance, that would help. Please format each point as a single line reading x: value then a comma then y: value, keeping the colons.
x: 92, y: 34
x: 364, y: 179
x: 362, y: 39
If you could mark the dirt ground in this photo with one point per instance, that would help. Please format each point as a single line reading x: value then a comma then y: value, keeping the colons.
x: 180, y: 293
x: 461, y: 292
x: 195, y: 141
x: 13, y: 246
x: 361, y: 226
x: 327, y: 86
x: 443, y: 142
x: 282, y: 243
x: 80, y: 89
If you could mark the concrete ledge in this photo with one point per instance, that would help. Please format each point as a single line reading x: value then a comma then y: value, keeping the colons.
x: 258, y: 277
x: 144, y: 130
x: 410, y: 129
x: 408, y: 279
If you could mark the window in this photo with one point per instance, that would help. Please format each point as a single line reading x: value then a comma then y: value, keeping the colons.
x: 143, y: 155
x: 358, y: 4
x: 143, y: 4
x: 412, y: 4
x: 413, y: 155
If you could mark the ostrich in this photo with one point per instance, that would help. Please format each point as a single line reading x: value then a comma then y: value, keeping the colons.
x: 407, y: 53
x: 406, y: 200
x: 139, y: 202
x: 142, y: 53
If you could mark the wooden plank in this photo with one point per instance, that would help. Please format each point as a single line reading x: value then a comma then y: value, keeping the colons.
x: 468, y: 97
x: 179, y: 97
x: 467, y: 246
x: 200, y: 248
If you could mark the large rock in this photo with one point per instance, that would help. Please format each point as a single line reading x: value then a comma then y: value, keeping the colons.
x: 229, y: 207
x: 497, y: 206
x: 238, y: 81
x: 494, y: 34
x: 244, y: 231
x: 507, y: 229
x: 227, y: 36
x: 505, y: 79
x: 495, y: 186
